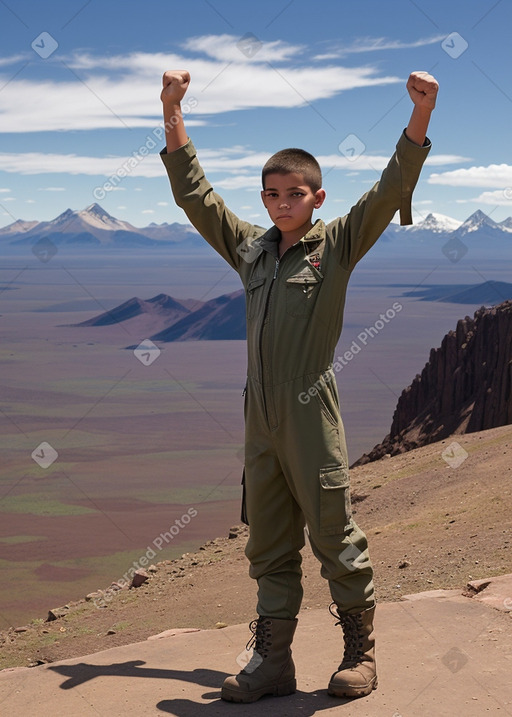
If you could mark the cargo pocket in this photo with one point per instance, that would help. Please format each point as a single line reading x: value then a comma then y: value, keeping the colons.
x: 335, y: 510
x: 301, y: 291
x: 243, y: 512
x: 254, y: 294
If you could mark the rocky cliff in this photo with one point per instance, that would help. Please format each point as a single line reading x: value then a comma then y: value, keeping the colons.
x: 465, y: 386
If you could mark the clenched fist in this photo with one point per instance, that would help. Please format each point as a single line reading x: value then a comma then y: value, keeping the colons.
x: 175, y: 84
x: 422, y: 89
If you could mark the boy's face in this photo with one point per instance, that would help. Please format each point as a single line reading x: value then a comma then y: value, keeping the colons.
x: 290, y: 201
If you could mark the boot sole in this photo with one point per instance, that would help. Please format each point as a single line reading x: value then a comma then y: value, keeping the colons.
x: 336, y: 691
x: 287, y: 688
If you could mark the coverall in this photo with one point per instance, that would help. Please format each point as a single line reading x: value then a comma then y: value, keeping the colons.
x: 296, y: 469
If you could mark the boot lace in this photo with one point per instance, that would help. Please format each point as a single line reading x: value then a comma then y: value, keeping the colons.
x: 261, y: 639
x: 352, y: 636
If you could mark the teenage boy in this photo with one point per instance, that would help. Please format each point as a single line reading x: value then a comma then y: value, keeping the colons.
x: 296, y: 472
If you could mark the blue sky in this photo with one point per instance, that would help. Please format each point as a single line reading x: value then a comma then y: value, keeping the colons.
x: 80, y: 83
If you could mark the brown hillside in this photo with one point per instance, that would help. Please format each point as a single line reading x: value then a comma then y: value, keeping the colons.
x: 432, y: 522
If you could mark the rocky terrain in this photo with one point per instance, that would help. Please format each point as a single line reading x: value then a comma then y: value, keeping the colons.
x: 436, y: 517
x: 465, y: 386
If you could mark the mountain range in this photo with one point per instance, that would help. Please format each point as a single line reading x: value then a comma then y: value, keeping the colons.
x: 94, y: 228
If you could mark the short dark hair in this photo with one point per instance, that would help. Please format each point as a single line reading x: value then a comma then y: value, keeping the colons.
x: 294, y: 160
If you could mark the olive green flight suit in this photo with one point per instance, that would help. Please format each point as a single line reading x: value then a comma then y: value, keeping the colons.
x: 296, y: 469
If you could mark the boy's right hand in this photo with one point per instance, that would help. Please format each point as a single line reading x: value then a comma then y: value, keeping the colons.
x: 175, y: 84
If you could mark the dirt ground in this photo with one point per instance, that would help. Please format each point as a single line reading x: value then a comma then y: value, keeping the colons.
x: 431, y: 523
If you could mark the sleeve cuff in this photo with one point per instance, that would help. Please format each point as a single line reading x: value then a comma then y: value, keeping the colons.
x: 410, y: 151
x: 180, y: 156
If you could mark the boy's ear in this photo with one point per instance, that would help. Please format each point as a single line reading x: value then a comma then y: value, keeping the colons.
x: 263, y: 197
x: 319, y: 198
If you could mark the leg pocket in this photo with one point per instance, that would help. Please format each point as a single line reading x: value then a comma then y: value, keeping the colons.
x: 335, y: 509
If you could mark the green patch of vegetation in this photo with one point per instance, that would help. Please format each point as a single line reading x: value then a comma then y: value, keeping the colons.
x: 40, y: 504
x: 191, y: 496
x: 15, y: 539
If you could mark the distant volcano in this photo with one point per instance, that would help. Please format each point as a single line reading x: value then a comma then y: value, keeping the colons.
x: 165, y: 319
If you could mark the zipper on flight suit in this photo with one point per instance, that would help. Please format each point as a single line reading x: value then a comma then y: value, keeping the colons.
x: 267, y: 326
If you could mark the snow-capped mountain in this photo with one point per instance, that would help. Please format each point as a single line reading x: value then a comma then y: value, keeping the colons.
x: 93, y: 226
x: 436, y: 223
x: 478, y: 220
x: 17, y: 227
x: 506, y: 224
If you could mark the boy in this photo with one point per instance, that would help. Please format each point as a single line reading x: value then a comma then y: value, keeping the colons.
x: 296, y: 473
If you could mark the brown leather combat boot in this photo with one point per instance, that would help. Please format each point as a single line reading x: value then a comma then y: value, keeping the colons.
x: 356, y: 676
x: 270, y: 671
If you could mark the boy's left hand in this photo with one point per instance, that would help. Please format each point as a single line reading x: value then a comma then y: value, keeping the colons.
x: 422, y: 89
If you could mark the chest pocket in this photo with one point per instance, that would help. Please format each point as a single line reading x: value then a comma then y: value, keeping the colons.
x: 255, y: 296
x: 301, y: 293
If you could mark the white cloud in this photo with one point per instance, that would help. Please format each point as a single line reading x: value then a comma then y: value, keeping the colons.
x: 51, y: 189
x: 148, y: 211
x: 436, y: 160
x: 123, y: 90
x: 40, y: 163
x: 12, y: 59
x: 239, y: 182
x: 501, y: 197
x: 494, y: 175
x: 248, y: 48
x: 4, y: 190
x: 245, y: 167
x: 377, y: 44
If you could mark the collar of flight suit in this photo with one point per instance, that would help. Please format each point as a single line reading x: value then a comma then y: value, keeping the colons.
x: 313, y: 241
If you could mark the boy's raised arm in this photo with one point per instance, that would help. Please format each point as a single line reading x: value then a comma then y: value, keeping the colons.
x: 370, y: 216
x: 205, y: 209
x: 175, y: 84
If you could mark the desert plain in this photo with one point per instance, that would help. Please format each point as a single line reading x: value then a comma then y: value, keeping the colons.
x: 137, y: 447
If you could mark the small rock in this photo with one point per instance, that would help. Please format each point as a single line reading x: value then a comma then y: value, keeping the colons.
x: 139, y: 578
x: 220, y: 625
x: 404, y: 564
x: 57, y: 612
x: 111, y: 631
x: 24, y: 628
x: 152, y: 569
x: 116, y: 586
x: 36, y: 663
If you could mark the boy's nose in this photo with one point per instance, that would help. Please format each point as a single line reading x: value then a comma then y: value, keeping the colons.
x: 283, y: 205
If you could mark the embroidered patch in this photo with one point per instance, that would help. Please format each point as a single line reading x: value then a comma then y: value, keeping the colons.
x: 314, y: 260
